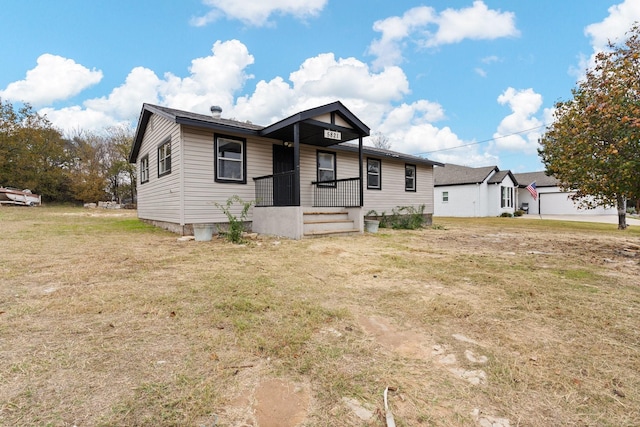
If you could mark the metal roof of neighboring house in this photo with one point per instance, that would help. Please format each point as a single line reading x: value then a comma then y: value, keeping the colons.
x: 281, y: 130
x: 541, y: 179
x: 452, y: 174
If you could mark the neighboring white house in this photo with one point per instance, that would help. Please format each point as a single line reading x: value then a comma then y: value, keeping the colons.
x: 473, y: 192
x: 551, y: 200
x: 300, y: 171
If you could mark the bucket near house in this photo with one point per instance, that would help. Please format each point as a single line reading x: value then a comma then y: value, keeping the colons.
x: 203, y: 232
x: 371, y: 225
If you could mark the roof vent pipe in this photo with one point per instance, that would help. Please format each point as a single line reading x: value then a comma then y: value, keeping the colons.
x: 216, y: 111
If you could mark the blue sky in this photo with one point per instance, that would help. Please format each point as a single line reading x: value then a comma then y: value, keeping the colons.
x: 430, y: 76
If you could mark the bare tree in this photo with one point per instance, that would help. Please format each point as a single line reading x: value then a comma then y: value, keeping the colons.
x: 380, y: 140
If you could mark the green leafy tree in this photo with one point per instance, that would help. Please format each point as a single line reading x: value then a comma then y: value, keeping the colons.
x: 33, y: 154
x: 593, y: 146
x: 121, y: 174
x: 88, y: 171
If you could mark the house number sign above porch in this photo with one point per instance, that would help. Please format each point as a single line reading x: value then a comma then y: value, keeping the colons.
x: 332, y: 134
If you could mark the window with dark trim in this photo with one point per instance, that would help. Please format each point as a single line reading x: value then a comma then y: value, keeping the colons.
x: 144, y: 169
x: 506, y: 197
x: 164, y: 158
x: 374, y: 174
x: 445, y: 196
x: 326, y: 167
x: 410, y: 177
x: 230, y: 159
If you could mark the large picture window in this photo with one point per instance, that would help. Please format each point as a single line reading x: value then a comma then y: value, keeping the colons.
x: 326, y: 167
x: 164, y: 158
x: 144, y: 169
x: 374, y: 176
x: 230, y: 161
x: 410, y: 177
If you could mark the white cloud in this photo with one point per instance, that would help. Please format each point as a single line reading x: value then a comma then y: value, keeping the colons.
x: 612, y: 28
x: 323, y: 79
x: 520, y: 130
x: 477, y: 23
x: 394, y: 30
x: 481, y: 72
x: 72, y: 119
x: 257, y: 12
x: 451, y: 26
x: 54, y: 78
x: 213, y: 79
x: 490, y: 59
x: 141, y: 85
x: 216, y: 79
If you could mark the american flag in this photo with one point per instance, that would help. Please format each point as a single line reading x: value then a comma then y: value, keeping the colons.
x: 531, y: 188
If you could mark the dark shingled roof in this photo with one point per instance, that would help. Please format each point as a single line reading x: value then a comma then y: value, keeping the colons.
x: 541, y: 179
x: 499, y: 176
x: 281, y: 129
x: 452, y: 174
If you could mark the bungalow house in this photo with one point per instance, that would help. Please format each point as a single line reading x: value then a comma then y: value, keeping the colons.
x: 302, y: 173
x: 551, y: 199
x: 473, y: 192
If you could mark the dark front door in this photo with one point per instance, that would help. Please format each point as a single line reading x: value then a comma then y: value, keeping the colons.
x: 283, y: 175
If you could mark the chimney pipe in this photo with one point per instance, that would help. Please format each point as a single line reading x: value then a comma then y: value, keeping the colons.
x: 216, y: 111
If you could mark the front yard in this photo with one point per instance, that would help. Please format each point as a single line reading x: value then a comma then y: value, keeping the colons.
x: 107, y: 321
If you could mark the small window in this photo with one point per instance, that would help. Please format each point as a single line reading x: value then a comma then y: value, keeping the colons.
x: 326, y: 167
x: 164, y: 158
x: 144, y: 169
x: 231, y: 156
x: 373, y: 174
x: 445, y: 196
x: 410, y: 177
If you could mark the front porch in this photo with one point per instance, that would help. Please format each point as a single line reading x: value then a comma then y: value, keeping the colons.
x: 287, y: 206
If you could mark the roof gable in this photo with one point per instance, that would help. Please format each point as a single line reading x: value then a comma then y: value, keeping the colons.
x: 499, y: 177
x: 186, y: 118
x: 452, y: 174
x: 335, y: 117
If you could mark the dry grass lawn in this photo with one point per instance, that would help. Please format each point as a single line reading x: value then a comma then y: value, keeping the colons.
x: 105, y: 321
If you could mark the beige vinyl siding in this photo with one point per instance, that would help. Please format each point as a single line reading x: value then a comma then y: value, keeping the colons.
x: 202, y: 192
x: 392, y: 193
x: 192, y: 184
x: 159, y: 198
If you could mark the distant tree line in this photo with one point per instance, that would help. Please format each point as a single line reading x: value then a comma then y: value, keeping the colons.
x: 84, y: 167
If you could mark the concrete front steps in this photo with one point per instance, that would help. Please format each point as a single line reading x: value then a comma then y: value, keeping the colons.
x: 319, y: 222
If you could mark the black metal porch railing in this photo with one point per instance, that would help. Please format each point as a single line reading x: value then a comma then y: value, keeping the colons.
x: 337, y: 193
x: 275, y: 190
